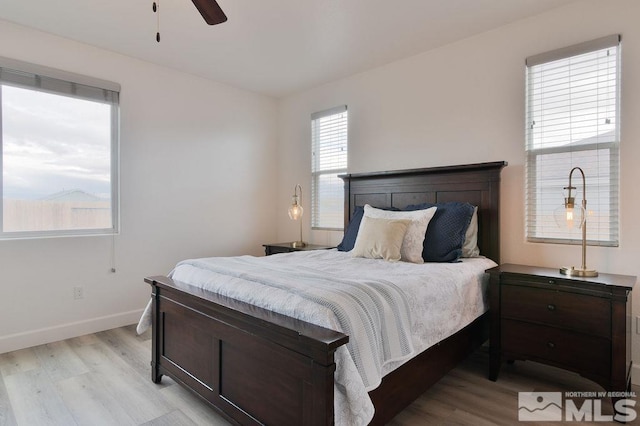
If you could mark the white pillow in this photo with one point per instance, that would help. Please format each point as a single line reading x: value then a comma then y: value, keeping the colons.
x: 380, y: 238
x: 470, y: 246
x: 412, y: 245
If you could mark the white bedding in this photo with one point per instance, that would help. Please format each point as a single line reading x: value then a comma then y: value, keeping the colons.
x: 442, y: 297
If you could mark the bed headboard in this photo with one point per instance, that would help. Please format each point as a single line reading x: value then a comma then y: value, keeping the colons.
x: 478, y: 184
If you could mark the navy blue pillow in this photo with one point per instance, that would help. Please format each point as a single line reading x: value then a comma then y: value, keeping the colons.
x: 446, y: 231
x: 351, y: 233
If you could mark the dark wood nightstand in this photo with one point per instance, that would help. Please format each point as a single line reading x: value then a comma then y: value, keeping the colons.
x: 270, y: 249
x: 578, y: 324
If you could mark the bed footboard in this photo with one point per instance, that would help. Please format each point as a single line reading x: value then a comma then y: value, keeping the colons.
x: 254, y: 366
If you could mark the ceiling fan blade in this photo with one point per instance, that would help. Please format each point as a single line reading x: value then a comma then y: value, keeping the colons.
x: 210, y: 11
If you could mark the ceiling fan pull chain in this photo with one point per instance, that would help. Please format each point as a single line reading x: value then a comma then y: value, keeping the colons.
x: 156, y: 10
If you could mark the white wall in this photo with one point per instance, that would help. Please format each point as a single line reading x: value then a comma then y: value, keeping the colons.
x: 464, y: 103
x: 197, y: 162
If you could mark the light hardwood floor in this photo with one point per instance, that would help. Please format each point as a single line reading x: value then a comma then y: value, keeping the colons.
x: 104, y: 379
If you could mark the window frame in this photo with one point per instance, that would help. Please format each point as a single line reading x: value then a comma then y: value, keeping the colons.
x: 317, y: 222
x: 11, y: 72
x: 532, y: 191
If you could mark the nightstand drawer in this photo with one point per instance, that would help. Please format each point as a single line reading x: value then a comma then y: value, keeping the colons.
x: 574, y: 351
x: 587, y: 314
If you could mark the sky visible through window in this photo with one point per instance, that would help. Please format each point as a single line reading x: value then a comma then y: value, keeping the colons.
x: 53, y: 143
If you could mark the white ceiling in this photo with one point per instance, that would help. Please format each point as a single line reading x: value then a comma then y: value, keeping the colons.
x: 274, y: 47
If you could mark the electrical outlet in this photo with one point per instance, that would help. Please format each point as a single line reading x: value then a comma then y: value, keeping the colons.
x: 78, y: 293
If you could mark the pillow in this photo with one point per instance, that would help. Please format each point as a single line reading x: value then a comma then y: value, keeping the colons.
x: 447, y: 230
x: 380, y: 238
x: 412, y: 246
x: 351, y: 233
x: 470, y: 245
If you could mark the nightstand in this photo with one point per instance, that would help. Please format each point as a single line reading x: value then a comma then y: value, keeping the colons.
x: 270, y: 249
x: 578, y: 324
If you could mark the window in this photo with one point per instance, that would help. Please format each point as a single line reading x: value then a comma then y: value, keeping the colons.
x: 59, y: 145
x: 573, y: 120
x: 328, y: 160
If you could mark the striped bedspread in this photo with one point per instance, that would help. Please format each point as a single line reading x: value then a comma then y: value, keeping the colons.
x: 374, y: 313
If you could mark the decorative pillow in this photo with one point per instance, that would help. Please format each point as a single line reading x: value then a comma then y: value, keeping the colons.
x: 380, y: 238
x: 447, y: 230
x: 470, y: 246
x: 412, y: 246
x: 351, y: 233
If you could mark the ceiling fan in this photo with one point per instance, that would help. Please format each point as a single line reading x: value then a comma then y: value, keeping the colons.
x: 209, y: 9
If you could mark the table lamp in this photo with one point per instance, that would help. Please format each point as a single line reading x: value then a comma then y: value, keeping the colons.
x: 571, y: 216
x: 295, y: 213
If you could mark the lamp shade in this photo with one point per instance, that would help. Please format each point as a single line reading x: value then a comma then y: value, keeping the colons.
x: 569, y: 218
x: 295, y: 209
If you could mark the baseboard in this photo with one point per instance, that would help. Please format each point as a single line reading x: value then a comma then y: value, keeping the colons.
x: 635, y: 374
x: 14, y: 342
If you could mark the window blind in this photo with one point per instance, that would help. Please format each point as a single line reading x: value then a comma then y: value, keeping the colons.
x: 329, y: 137
x: 572, y: 120
x: 50, y: 80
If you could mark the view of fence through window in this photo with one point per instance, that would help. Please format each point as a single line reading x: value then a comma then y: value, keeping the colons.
x: 56, y: 162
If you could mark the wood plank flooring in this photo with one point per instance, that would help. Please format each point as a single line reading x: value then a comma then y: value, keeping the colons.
x: 104, y: 379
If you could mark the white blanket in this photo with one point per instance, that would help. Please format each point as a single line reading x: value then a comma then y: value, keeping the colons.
x: 441, y: 299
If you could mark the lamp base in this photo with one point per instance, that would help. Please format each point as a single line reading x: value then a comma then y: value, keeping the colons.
x: 298, y: 244
x: 578, y: 272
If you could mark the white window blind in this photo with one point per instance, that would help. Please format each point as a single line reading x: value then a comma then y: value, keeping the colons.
x: 572, y: 118
x: 329, y: 136
x: 59, y: 137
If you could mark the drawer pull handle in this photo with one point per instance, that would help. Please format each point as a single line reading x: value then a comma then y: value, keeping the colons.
x: 551, y: 307
x: 551, y: 345
x: 552, y: 281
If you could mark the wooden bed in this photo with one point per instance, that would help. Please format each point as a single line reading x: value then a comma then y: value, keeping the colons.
x: 259, y: 367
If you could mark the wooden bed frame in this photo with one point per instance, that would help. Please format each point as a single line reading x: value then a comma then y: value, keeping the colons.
x: 259, y: 367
